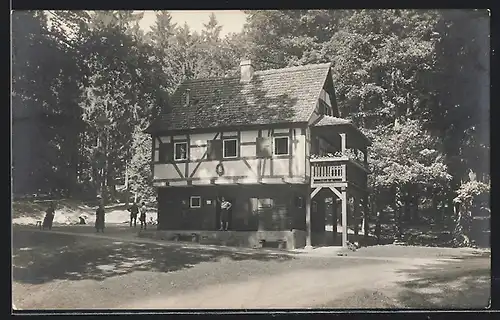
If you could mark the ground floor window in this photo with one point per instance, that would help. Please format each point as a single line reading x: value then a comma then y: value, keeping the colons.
x: 265, y: 203
x: 195, y: 202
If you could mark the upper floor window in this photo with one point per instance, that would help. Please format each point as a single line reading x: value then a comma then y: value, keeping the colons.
x: 324, y: 108
x: 230, y: 148
x: 180, y: 151
x: 281, y: 146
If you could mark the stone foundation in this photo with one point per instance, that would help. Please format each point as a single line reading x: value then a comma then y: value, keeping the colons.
x: 293, y: 239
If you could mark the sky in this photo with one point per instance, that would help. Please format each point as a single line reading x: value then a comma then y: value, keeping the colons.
x: 230, y: 20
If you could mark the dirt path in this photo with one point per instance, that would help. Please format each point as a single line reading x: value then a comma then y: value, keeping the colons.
x: 300, y: 289
x: 165, y: 275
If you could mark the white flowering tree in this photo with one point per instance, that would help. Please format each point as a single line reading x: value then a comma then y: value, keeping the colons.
x: 406, y: 164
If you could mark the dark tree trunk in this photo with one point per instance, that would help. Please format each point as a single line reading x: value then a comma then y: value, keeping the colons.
x: 398, y: 217
x: 406, y: 208
x: 414, y: 211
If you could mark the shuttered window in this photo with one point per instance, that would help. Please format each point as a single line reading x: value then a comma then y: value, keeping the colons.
x: 165, y: 153
x: 214, y: 149
x: 264, y: 147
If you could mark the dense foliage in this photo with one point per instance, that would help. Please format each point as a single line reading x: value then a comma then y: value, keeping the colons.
x: 415, y: 81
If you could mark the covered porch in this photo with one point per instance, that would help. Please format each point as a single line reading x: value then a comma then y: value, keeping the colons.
x: 339, y: 183
x: 337, y: 215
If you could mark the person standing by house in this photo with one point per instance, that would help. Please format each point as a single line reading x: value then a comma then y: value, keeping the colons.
x: 99, y: 218
x: 224, y: 214
x: 49, y: 217
x: 134, y: 211
x: 142, y: 217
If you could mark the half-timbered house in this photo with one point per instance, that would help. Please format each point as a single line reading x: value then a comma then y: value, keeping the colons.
x: 271, y: 142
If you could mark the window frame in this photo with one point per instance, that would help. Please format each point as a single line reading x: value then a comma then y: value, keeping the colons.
x: 191, y: 202
x: 224, y: 148
x: 175, y: 150
x: 260, y: 206
x: 287, y: 146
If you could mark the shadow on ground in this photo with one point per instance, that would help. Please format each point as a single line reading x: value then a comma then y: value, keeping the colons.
x: 460, y: 284
x: 463, y: 283
x: 40, y: 257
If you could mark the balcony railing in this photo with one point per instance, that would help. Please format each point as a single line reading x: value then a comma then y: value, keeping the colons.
x: 330, y: 169
x: 326, y: 170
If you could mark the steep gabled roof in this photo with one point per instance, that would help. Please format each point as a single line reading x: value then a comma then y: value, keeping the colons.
x: 330, y: 121
x: 276, y: 96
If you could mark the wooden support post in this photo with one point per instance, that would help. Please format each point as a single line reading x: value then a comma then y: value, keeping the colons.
x: 366, y: 214
x: 308, y: 221
x: 363, y: 223
x: 344, y: 218
x: 335, y: 210
x: 343, y: 143
x: 356, y: 215
x: 315, y: 191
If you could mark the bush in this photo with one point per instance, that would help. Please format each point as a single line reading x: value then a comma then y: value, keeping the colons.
x: 471, y: 194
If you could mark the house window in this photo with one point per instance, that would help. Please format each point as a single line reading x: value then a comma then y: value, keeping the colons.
x: 230, y: 147
x: 180, y: 151
x: 265, y: 203
x: 195, y: 202
x: 281, y: 146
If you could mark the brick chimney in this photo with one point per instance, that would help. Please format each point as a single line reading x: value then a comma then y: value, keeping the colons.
x: 246, y: 70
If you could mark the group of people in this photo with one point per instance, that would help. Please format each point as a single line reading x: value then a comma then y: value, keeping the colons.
x: 100, y: 216
x: 134, y: 212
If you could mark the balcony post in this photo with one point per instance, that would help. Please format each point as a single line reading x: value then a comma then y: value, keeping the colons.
x: 343, y: 143
x: 344, y: 217
x: 366, y: 214
x: 356, y: 215
x: 308, y: 219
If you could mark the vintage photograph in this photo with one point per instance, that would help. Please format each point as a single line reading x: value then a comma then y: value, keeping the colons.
x: 250, y: 159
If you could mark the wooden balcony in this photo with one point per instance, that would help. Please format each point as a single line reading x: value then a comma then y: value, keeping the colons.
x: 330, y: 170
x: 325, y: 171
